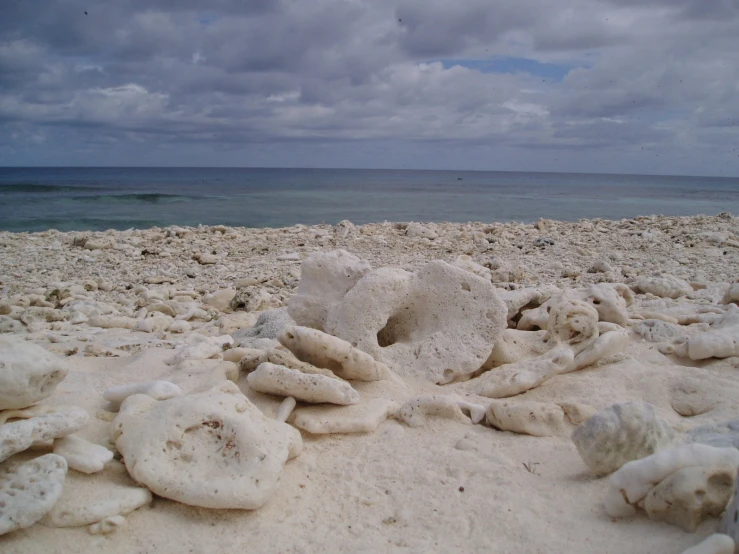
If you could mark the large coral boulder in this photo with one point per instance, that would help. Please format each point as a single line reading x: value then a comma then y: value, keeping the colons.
x: 325, y: 279
x: 439, y: 323
x: 213, y: 449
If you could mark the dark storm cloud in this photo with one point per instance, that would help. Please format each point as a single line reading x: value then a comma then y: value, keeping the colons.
x: 132, y: 77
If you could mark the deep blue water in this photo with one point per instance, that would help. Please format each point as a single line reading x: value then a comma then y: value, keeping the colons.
x: 36, y: 199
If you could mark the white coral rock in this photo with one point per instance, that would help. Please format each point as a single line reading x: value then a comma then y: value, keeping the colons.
x: 325, y: 278
x: 213, y: 449
x: 18, y: 436
x: 28, y: 373
x: 82, y: 455
x: 720, y: 341
x: 666, y: 286
x: 322, y: 350
x: 86, y: 502
x: 360, y: 418
x: 611, y: 301
x: 691, y: 495
x: 158, y: 390
x: 279, y: 380
x: 632, y: 482
x: 414, y: 411
x: 516, y: 378
x: 29, y: 491
x: 529, y: 418
x: 439, y: 323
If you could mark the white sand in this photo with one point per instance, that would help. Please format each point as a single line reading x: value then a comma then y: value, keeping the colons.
x: 443, y: 487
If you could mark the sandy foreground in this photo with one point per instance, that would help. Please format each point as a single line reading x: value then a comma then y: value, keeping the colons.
x: 445, y: 486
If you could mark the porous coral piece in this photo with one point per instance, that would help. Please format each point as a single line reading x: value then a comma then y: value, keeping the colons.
x: 514, y: 346
x: 279, y: 380
x: 439, y: 323
x: 610, y: 300
x: 574, y: 336
x: 360, y: 418
x: 213, y: 449
x: 690, y: 496
x: 572, y: 322
x: 251, y: 359
x: 28, y: 373
x: 525, y: 299
x: 29, y: 491
x: 18, y: 436
x: 529, y: 418
x: 86, y: 501
x: 720, y: 341
x: 325, y: 278
x: 658, y: 330
x: 414, y: 411
x: 82, y: 455
x: 633, y: 481
x: 605, y: 346
x: 666, y: 286
x: 323, y: 350
x: 516, y: 378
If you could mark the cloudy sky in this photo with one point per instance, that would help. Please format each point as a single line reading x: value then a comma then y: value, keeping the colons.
x: 625, y: 86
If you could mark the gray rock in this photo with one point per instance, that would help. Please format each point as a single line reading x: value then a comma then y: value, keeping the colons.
x: 543, y: 242
x: 268, y: 326
x: 723, y: 435
x: 621, y: 433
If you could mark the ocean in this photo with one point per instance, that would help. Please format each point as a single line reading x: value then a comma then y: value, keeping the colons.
x: 66, y: 199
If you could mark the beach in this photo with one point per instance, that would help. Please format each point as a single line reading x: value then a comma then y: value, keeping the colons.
x: 118, y: 306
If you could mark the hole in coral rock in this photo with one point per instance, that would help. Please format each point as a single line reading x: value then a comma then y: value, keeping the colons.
x: 466, y: 286
x: 395, y: 330
x: 212, y: 424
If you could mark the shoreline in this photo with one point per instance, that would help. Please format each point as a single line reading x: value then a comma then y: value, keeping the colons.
x: 575, y: 245
x: 117, y: 305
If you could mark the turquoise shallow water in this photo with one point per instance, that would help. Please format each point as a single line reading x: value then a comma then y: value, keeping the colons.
x: 36, y: 199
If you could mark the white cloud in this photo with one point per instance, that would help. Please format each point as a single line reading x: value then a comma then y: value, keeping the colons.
x: 659, y: 74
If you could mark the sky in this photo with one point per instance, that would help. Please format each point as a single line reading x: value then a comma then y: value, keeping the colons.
x: 616, y: 86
